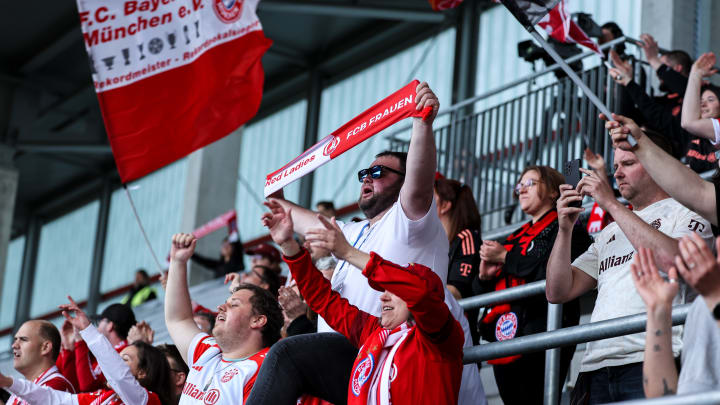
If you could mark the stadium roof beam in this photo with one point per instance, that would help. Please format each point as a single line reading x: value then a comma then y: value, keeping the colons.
x: 351, y: 11
x: 84, y: 148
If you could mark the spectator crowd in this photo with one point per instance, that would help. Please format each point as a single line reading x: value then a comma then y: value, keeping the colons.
x: 369, y: 311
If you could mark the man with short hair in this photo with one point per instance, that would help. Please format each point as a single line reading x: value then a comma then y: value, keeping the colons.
x: 223, y: 366
x: 35, y: 349
x: 178, y: 369
x: 326, y: 208
x: 402, y: 225
x: 611, y: 369
x: 76, y: 361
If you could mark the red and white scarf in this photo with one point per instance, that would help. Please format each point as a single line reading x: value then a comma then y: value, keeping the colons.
x: 372, y: 372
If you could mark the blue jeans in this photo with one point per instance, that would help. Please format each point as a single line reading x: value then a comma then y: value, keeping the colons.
x: 318, y: 364
x: 619, y: 383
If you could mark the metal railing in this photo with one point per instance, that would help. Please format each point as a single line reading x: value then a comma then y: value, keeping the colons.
x: 538, y: 120
x: 555, y: 337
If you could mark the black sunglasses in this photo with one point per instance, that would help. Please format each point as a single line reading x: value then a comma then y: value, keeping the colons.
x: 376, y: 172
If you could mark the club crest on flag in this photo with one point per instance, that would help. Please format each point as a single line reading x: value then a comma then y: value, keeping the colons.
x: 228, y: 11
x: 506, y: 326
x: 361, y: 374
x: 330, y: 147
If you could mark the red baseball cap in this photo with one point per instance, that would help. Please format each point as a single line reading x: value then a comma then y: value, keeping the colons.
x: 265, y: 250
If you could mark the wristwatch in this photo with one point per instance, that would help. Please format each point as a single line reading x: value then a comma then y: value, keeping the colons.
x: 716, y: 312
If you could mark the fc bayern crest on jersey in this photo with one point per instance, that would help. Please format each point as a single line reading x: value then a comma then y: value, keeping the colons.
x: 228, y: 11
x: 361, y: 374
x: 330, y: 148
x: 506, y: 326
x: 229, y: 375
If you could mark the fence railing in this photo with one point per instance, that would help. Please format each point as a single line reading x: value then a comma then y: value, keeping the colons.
x: 537, y: 120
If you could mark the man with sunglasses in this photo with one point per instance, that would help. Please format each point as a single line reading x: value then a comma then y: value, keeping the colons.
x: 402, y: 225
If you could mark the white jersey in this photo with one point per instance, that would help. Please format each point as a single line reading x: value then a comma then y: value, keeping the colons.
x: 214, y: 380
x: 608, y: 261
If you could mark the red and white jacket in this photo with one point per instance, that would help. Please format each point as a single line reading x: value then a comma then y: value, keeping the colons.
x: 127, y: 390
x: 49, y: 378
x: 427, y: 366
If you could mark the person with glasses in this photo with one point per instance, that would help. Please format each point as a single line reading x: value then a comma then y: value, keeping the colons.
x: 612, y: 369
x: 178, y: 369
x: 401, y: 225
x: 522, y: 258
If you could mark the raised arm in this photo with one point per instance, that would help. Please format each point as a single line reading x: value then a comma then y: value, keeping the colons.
x: 316, y: 290
x: 116, y: 371
x: 303, y: 218
x: 35, y: 394
x: 676, y: 179
x: 416, y: 194
x: 565, y: 282
x: 691, y: 120
x: 660, y: 376
x: 178, y: 309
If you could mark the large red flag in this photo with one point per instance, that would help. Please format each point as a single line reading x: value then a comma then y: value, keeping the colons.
x: 172, y: 75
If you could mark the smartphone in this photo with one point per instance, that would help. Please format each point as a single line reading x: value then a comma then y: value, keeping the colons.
x: 608, y: 65
x: 571, y: 170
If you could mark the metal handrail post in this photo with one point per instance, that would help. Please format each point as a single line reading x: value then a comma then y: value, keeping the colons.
x: 552, y: 358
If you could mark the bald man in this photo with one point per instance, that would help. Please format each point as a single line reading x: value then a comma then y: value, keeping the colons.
x: 35, y: 349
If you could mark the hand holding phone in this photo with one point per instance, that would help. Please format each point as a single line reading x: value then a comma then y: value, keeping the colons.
x: 571, y: 170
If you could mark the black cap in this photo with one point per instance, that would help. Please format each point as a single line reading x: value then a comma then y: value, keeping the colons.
x: 122, y: 316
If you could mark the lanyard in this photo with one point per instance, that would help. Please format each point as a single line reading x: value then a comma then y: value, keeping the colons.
x: 362, y: 231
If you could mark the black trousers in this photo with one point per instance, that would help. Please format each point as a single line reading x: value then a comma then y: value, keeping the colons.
x: 318, y: 364
x: 523, y: 381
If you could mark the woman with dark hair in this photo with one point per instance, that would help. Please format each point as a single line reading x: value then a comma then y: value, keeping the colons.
x: 138, y: 375
x: 231, y: 259
x: 460, y: 218
x: 520, y: 259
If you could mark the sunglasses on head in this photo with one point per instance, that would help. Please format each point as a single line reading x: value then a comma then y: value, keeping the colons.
x: 376, y: 172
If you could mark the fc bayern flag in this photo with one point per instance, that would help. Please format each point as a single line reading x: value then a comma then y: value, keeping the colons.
x: 172, y: 75
x: 529, y: 12
x: 559, y: 25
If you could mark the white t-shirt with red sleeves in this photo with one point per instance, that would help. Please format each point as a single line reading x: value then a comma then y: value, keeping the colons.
x: 608, y: 261
x: 49, y: 378
x: 213, y: 380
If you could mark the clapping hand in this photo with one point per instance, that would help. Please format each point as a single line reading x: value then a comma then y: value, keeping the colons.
x: 141, y: 332
x: 493, y: 252
x: 329, y: 237
x: 698, y: 266
x: 704, y: 66
x: 653, y: 290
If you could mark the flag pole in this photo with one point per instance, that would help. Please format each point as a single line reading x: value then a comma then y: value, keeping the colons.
x: 574, y: 77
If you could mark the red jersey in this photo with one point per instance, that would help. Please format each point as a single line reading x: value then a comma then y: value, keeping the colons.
x: 49, y: 378
x: 427, y: 366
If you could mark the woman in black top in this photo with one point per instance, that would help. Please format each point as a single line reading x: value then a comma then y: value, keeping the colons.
x: 460, y: 218
x: 520, y: 259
